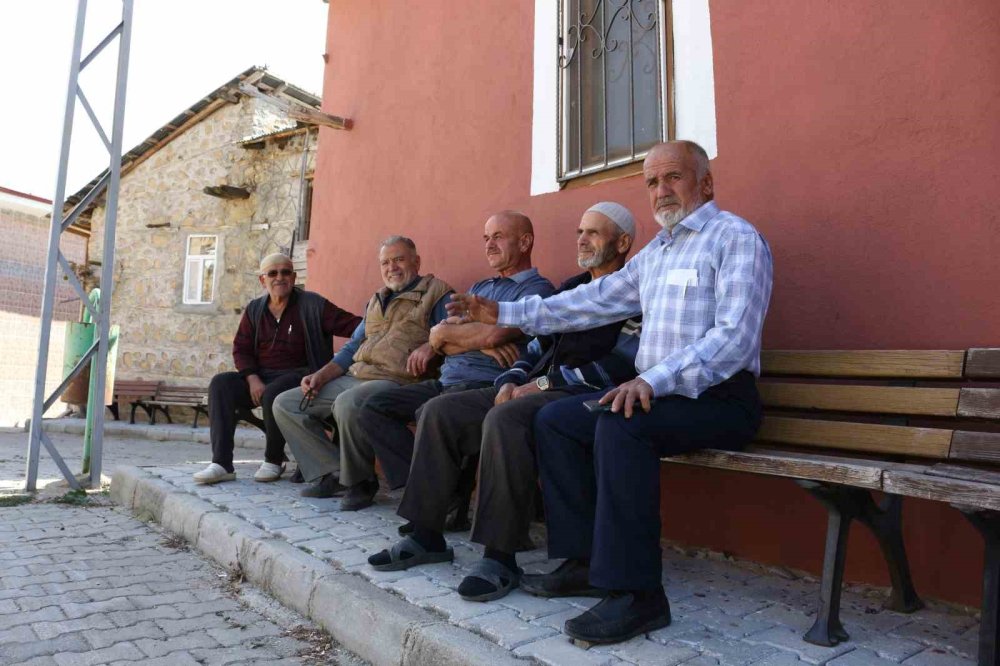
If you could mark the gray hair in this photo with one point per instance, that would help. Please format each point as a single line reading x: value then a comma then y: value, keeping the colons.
x: 699, y: 154
x: 399, y: 240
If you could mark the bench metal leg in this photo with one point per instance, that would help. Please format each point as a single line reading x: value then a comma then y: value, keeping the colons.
x: 843, y: 505
x: 885, y: 520
x: 988, y: 524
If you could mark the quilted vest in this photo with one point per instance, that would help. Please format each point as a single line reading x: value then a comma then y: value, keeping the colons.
x: 392, y: 335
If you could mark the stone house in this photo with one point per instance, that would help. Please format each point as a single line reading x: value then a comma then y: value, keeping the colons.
x: 24, y: 220
x: 201, y: 201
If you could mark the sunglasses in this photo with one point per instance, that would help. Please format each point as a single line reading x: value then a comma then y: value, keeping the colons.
x: 284, y: 272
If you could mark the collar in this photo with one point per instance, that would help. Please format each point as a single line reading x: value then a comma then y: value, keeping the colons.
x: 696, y: 221
x: 385, y: 294
x: 521, y: 277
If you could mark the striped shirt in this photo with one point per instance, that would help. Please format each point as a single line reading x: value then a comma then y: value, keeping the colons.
x: 702, y: 290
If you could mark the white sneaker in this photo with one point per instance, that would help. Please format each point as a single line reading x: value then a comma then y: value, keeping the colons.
x: 269, y: 472
x: 214, y: 473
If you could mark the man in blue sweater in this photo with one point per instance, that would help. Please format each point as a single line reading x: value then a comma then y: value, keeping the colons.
x: 498, y: 422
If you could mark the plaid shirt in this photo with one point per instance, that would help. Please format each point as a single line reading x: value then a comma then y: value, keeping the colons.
x: 702, y: 291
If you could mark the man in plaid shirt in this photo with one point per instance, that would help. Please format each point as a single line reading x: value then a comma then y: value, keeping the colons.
x: 702, y: 286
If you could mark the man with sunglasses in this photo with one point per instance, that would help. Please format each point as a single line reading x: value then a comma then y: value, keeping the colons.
x: 284, y: 335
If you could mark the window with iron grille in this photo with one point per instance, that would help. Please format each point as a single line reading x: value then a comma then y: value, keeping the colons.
x: 199, y: 269
x: 613, y: 83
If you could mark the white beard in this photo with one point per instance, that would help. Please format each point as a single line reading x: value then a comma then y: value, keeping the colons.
x: 669, y: 220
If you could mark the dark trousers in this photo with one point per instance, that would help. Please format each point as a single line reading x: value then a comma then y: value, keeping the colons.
x: 601, y: 473
x: 229, y: 397
x: 384, y: 421
x: 457, y: 425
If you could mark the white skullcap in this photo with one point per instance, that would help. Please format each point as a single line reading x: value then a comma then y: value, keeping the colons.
x: 617, y: 213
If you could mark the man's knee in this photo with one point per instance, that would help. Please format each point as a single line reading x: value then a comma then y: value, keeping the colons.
x: 223, y: 382
x: 286, y: 403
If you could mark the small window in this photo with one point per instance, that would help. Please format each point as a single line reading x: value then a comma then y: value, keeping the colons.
x: 199, y: 269
x: 612, y: 83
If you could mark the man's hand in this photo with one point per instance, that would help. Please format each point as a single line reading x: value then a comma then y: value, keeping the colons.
x: 473, y: 308
x: 525, y: 389
x: 256, y: 389
x: 312, y: 383
x: 420, y: 359
x: 626, y: 394
x: 504, y: 355
x: 505, y: 393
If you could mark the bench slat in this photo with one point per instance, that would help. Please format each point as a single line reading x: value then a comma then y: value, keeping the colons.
x: 976, y: 447
x: 866, y: 437
x: 867, y: 399
x: 927, y: 364
x: 966, y: 473
x: 979, y: 403
x: 788, y: 465
x: 954, y: 491
x: 983, y: 364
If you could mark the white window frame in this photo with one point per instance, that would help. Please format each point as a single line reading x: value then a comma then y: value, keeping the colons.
x: 693, y: 85
x: 199, y: 260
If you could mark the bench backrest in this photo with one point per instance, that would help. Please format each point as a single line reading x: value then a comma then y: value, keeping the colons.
x: 181, y: 394
x: 941, y: 405
x: 135, y: 388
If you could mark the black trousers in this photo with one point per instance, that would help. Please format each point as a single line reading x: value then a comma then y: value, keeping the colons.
x: 385, y: 418
x: 229, y: 396
x: 600, y: 473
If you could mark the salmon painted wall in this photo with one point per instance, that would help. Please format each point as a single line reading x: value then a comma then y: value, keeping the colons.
x: 862, y: 138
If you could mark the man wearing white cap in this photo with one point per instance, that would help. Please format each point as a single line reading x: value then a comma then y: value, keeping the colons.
x: 283, y: 335
x: 498, y: 422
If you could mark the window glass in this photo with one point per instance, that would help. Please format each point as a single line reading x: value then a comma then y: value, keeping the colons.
x: 199, y: 269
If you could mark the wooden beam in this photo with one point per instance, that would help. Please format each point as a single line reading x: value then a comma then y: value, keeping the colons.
x: 954, y: 491
x: 297, y: 111
x: 979, y: 403
x: 227, y: 192
x: 897, y: 364
x: 976, y: 446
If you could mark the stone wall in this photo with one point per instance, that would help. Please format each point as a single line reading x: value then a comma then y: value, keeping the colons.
x: 162, y: 203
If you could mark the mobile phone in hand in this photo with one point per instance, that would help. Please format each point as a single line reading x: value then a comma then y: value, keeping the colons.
x: 595, y: 406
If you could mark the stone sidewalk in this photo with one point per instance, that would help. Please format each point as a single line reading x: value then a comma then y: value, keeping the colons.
x: 725, y: 613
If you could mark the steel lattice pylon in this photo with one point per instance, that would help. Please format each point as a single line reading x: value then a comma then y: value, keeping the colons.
x: 97, y: 355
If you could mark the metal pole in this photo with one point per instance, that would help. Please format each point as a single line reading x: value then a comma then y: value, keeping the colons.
x: 107, y: 265
x: 48, y: 290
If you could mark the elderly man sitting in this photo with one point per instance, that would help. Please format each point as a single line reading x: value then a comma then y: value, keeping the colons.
x: 283, y: 335
x: 385, y: 351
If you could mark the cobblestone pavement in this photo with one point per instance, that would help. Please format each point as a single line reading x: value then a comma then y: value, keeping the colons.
x: 724, y: 613
x: 92, y: 585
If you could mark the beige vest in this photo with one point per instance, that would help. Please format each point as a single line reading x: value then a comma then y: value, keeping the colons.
x: 392, y: 335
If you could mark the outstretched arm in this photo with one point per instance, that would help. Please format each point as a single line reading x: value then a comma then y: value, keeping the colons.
x: 456, y: 338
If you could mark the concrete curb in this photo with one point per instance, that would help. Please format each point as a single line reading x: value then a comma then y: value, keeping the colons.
x: 374, y: 624
x: 247, y: 438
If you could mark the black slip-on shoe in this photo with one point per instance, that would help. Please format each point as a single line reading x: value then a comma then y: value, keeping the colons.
x: 619, y: 617
x: 569, y: 579
x: 296, y: 476
x: 327, y: 486
x: 360, y: 495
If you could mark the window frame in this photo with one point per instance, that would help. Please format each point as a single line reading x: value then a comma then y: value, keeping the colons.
x: 666, y: 82
x: 200, y: 259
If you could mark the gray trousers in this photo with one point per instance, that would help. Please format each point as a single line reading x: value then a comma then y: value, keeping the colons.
x: 353, y: 460
x: 455, y: 425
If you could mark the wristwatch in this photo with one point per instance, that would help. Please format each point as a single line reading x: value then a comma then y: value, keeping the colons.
x: 543, y: 383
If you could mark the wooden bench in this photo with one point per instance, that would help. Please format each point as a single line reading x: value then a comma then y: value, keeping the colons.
x: 132, y: 391
x: 906, y: 423
x: 177, y: 396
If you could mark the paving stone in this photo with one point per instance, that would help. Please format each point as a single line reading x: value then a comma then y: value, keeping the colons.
x: 560, y: 651
x: 529, y: 607
x: 125, y: 618
x: 30, y: 603
x: 936, y: 657
x: 21, y: 634
x: 18, y: 652
x: 102, y: 638
x: 644, y: 652
x: 860, y: 657
x: 506, y: 629
x: 417, y: 587
x: 186, y: 641
x: 47, y: 614
x: 48, y: 630
x: 787, y: 639
x: 82, y: 610
x: 116, y: 652
x: 730, y: 626
x: 455, y: 608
